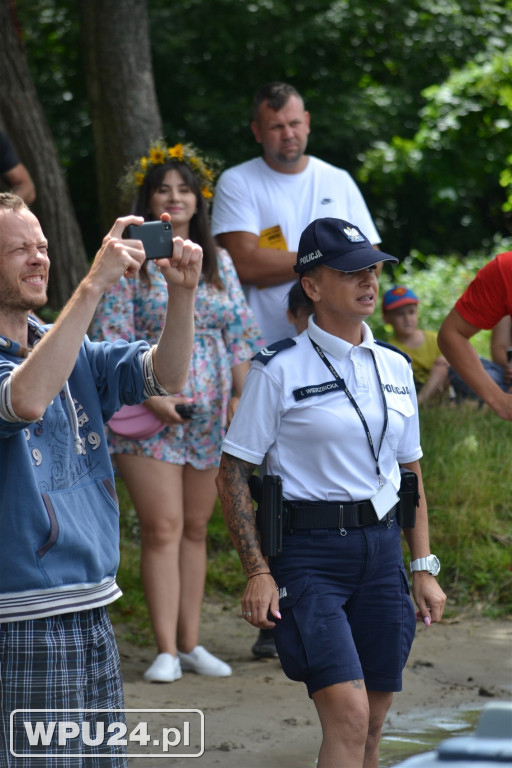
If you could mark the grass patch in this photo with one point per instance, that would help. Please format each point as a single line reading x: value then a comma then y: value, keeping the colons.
x: 468, y: 480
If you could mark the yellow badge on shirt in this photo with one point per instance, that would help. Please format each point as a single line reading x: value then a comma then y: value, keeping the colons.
x: 273, y: 238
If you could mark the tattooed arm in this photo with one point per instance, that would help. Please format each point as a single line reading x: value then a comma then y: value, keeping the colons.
x: 238, y: 510
x: 260, y: 594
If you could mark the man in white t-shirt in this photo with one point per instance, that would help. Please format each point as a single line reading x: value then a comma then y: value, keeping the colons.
x: 261, y: 206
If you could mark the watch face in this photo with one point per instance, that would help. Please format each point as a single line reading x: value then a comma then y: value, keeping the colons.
x: 430, y: 563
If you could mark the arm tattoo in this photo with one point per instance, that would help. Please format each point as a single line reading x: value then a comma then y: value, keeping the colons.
x: 238, y: 511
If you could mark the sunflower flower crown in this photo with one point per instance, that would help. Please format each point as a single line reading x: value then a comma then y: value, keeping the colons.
x: 158, y: 154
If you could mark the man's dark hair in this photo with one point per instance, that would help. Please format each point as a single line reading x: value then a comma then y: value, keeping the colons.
x: 274, y: 94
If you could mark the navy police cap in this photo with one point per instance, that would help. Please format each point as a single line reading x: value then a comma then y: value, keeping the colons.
x: 337, y: 244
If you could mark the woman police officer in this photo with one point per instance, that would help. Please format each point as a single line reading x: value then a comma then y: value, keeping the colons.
x: 334, y: 413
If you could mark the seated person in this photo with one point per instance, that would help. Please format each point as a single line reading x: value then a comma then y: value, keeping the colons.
x: 430, y: 368
x: 299, y: 309
x: 497, y: 368
x: 501, y: 350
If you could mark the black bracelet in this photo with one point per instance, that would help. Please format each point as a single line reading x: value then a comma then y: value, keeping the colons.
x: 263, y: 573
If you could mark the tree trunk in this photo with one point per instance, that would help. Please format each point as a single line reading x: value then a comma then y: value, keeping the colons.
x: 122, y: 97
x: 26, y: 125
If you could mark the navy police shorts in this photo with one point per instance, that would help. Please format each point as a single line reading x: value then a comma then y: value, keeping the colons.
x: 345, y: 606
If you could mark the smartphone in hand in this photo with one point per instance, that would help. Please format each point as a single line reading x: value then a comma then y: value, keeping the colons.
x: 185, y: 410
x: 156, y: 237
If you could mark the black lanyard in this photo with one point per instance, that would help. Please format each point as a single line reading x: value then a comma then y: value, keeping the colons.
x: 357, y: 408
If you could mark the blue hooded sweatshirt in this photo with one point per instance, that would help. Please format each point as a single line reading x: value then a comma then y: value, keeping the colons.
x: 59, y: 516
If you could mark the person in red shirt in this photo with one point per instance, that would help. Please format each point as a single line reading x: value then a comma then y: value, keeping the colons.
x: 483, y: 304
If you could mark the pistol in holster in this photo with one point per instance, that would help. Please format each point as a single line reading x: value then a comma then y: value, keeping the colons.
x: 409, y: 499
x: 268, y: 494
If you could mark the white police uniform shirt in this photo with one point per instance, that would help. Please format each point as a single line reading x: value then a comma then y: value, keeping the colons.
x: 314, y: 439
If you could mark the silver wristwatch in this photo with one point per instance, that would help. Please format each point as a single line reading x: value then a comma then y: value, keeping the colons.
x: 429, y: 563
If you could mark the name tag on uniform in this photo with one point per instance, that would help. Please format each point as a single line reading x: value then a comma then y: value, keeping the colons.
x: 384, y: 500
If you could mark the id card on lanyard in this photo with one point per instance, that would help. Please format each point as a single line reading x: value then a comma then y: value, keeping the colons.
x: 386, y: 497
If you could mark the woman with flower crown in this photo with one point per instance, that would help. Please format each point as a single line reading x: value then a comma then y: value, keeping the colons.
x: 171, y: 475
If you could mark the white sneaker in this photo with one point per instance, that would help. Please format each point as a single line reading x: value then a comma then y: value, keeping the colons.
x: 165, y: 669
x: 202, y: 662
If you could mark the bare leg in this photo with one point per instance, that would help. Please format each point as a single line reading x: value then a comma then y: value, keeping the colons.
x: 199, y: 493
x: 351, y: 720
x: 380, y: 702
x: 343, y: 710
x: 156, y: 491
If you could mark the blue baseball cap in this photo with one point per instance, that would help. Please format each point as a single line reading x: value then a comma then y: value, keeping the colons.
x: 337, y: 244
x: 398, y: 296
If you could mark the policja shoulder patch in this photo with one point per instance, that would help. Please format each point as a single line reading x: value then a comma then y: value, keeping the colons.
x: 266, y: 354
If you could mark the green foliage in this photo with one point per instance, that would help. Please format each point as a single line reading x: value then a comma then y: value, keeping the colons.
x: 50, y: 32
x: 445, y: 185
x: 466, y: 470
x: 363, y: 68
x: 360, y: 82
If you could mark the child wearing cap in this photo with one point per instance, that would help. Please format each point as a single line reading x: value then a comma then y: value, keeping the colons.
x: 430, y: 368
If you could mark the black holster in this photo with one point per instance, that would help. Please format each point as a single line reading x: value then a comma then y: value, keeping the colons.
x: 268, y: 494
x: 409, y: 499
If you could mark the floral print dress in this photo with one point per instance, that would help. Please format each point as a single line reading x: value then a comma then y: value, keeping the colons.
x: 226, y: 334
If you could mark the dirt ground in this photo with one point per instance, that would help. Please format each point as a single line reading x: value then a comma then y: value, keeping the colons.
x: 259, y: 718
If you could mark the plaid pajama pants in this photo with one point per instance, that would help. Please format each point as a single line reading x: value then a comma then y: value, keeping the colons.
x: 65, y: 662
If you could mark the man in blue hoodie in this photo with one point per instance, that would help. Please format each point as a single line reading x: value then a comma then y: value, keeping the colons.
x: 59, y: 541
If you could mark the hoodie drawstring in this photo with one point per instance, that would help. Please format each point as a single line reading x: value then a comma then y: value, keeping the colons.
x: 77, y: 441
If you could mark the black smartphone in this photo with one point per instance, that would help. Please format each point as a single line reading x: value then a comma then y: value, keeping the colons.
x: 156, y: 237
x: 185, y: 410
